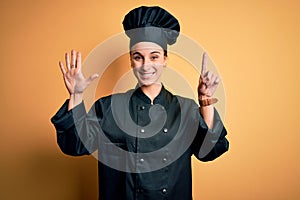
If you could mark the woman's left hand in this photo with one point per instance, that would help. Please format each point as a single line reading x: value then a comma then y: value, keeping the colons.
x: 208, y: 81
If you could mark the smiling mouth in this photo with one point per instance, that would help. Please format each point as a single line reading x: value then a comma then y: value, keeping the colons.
x: 146, y: 75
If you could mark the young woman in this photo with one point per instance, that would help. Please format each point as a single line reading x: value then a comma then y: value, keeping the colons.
x: 145, y: 137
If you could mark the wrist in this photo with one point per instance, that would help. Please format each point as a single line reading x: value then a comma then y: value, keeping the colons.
x: 76, y: 95
x: 206, y: 101
x: 75, y: 99
x: 202, y: 97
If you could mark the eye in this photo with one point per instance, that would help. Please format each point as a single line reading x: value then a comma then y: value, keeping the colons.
x: 137, y: 58
x: 154, y: 57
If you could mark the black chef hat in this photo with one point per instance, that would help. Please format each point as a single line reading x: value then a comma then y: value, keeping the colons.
x: 151, y: 24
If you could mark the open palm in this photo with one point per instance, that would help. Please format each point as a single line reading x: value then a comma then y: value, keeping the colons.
x: 74, y: 80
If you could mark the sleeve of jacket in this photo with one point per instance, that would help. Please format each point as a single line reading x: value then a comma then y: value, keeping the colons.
x: 209, y: 144
x: 76, y: 130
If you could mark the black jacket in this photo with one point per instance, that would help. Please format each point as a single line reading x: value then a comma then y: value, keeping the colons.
x: 144, y: 150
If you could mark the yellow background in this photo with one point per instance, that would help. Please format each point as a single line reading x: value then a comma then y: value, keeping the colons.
x: 255, y: 45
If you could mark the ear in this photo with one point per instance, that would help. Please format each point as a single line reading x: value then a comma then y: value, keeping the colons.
x: 130, y: 59
x: 165, y: 61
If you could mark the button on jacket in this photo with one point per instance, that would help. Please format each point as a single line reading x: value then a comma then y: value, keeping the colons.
x: 144, y: 150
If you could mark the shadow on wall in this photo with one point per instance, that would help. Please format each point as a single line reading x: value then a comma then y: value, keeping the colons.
x: 49, y: 175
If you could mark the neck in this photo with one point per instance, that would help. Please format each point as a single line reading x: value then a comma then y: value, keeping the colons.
x: 151, y: 91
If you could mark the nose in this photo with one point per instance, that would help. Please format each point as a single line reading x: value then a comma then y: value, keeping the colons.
x: 147, y: 63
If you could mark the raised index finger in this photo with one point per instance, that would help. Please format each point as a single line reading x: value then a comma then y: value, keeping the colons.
x: 204, y: 63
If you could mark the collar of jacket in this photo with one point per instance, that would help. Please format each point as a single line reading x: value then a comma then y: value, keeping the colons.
x: 164, y: 97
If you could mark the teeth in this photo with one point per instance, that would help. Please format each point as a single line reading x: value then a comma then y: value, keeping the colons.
x: 147, y: 74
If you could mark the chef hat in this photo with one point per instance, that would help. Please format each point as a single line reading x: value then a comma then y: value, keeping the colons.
x: 151, y: 24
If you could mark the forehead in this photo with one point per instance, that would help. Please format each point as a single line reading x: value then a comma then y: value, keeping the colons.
x: 146, y: 47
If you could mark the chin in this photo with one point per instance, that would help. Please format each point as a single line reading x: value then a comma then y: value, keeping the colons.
x: 145, y: 84
x: 148, y: 83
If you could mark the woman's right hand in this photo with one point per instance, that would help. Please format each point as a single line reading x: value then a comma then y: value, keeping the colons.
x: 74, y: 80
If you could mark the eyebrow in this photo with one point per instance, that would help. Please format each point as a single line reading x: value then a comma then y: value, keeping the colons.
x: 153, y: 52
x: 137, y: 53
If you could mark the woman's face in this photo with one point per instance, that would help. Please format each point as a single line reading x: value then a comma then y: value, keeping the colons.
x: 147, y: 60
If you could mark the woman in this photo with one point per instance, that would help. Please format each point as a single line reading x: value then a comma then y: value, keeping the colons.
x: 145, y: 154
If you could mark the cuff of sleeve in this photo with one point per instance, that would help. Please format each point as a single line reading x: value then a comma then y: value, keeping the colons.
x: 214, y: 142
x: 64, y: 119
x: 215, y: 132
x: 218, y: 124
